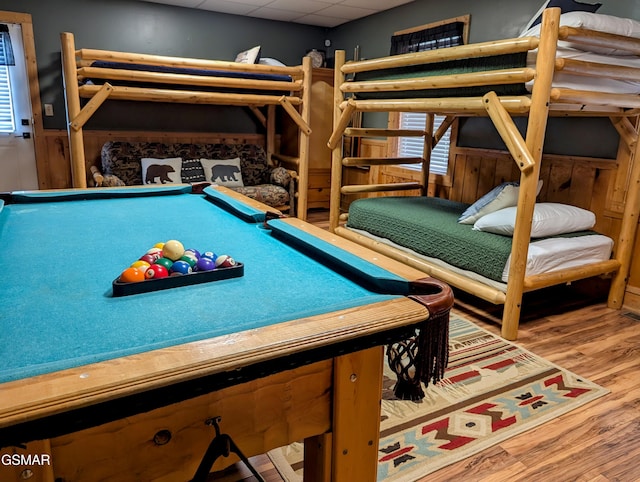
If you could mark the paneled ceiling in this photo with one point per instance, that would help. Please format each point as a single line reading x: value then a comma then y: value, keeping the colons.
x: 322, y: 13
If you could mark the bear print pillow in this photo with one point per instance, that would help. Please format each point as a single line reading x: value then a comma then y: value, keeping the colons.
x: 161, y: 171
x: 223, y: 172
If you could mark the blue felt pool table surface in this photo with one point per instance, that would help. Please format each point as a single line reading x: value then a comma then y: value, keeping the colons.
x: 60, y: 255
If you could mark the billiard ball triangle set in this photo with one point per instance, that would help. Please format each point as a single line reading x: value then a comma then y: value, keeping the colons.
x: 169, y: 265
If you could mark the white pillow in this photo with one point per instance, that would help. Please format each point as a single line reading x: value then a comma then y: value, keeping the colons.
x: 270, y: 61
x: 565, y: 6
x: 594, y: 21
x: 502, y: 196
x: 250, y: 56
x: 223, y: 172
x: 549, y: 219
x: 161, y: 171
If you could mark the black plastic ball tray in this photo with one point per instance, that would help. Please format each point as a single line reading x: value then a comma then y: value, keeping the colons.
x: 197, y: 277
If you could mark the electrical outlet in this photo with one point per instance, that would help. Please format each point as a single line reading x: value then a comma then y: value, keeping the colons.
x: 48, y: 110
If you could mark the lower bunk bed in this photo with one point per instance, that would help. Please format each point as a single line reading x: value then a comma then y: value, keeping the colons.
x: 425, y: 232
x: 477, y: 257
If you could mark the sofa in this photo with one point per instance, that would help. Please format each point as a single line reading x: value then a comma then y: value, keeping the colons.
x: 241, y: 167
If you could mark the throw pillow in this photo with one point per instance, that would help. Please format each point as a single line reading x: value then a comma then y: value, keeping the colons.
x: 565, y: 7
x: 594, y: 21
x: 502, y: 196
x: 161, y: 171
x: 549, y: 219
x: 251, y: 56
x: 192, y: 171
x: 224, y: 172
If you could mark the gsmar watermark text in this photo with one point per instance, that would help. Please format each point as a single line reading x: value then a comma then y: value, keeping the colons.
x: 25, y: 459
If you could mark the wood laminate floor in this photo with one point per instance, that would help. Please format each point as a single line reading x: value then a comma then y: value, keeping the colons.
x: 599, y: 442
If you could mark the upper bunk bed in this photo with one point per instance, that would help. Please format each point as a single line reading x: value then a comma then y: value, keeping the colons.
x: 100, y: 75
x: 559, y: 69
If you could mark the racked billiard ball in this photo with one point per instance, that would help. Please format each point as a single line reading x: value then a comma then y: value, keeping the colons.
x: 156, y: 271
x: 166, y: 262
x: 192, y: 260
x: 181, y: 267
x: 155, y: 251
x: 172, y: 249
x: 193, y: 251
x: 209, y: 254
x: 132, y: 275
x: 149, y: 258
x: 141, y: 265
x: 225, y: 261
x: 205, y: 264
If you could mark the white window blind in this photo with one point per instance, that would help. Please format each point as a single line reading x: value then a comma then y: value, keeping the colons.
x: 413, y: 146
x: 7, y: 123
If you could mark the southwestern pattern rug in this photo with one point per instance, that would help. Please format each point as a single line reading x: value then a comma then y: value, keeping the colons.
x: 492, y: 390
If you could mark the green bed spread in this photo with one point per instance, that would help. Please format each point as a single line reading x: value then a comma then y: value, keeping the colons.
x: 462, y: 66
x: 429, y: 226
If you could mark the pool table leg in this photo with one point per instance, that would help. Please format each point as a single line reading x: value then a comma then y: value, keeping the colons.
x: 357, y: 382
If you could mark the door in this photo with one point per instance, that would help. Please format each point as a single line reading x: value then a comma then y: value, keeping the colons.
x: 17, y: 155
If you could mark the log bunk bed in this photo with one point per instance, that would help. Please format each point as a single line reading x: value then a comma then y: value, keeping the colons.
x: 156, y: 78
x: 541, y: 99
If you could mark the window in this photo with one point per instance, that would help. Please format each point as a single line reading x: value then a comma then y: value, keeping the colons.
x: 7, y: 123
x: 413, y: 146
x: 447, y: 33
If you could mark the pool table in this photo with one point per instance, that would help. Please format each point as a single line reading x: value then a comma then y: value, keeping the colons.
x: 101, y: 387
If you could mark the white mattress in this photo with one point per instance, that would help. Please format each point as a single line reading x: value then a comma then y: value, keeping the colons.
x: 594, y: 84
x: 544, y: 256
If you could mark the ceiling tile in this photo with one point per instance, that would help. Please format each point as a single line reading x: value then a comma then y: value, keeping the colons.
x: 224, y: 6
x: 302, y: 6
x: 321, y: 20
x: 342, y: 11
x: 275, y: 14
x: 323, y: 13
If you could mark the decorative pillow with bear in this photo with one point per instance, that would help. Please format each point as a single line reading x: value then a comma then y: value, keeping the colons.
x: 223, y: 172
x: 161, y: 171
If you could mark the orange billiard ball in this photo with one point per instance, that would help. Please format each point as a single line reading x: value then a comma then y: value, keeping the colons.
x: 132, y: 275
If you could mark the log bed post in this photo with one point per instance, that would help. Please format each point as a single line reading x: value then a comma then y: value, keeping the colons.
x: 72, y: 97
x: 529, y: 177
x: 626, y: 238
x: 336, y: 148
x: 303, y: 141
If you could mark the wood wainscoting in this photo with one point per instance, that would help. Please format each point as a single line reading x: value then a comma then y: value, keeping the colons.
x: 599, y: 185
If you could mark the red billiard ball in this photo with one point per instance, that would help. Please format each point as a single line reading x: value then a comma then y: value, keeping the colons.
x: 225, y: 261
x: 156, y: 271
x: 149, y: 258
x: 155, y: 251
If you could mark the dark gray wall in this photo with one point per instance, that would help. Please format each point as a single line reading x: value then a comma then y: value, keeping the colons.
x: 136, y: 26
x: 490, y: 20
